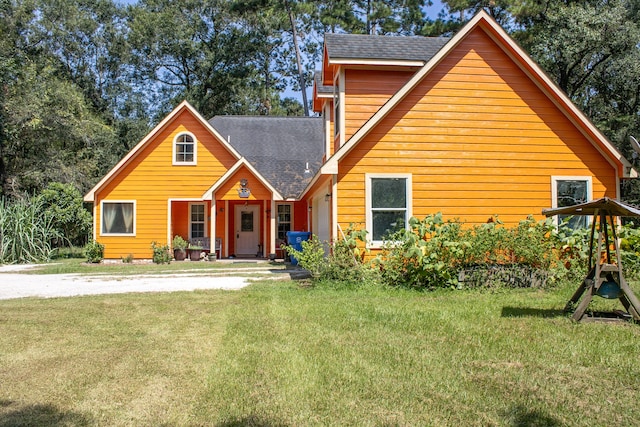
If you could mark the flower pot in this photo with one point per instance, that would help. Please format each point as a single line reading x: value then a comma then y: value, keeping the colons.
x: 179, y: 254
x: 194, y: 254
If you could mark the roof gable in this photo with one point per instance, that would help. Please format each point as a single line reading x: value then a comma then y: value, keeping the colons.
x: 484, y: 22
x: 220, y: 183
x: 280, y: 149
x: 184, y: 107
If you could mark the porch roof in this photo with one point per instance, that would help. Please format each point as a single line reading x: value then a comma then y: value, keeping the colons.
x: 279, y: 148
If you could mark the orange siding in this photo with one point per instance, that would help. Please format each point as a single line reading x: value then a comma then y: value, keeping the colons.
x: 229, y: 190
x: 180, y: 219
x: 479, y: 138
x: 151, y: 180
x: 365, y: 92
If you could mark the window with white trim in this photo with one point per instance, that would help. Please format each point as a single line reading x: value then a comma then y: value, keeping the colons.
x: 197, y: 223
x: 388, y: 205
x: 569, y: 191
x: 284, y: 221
x: 118, y: 218
x: 184, y: 149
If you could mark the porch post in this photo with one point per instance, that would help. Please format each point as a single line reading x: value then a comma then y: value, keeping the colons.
x: 272, y: 243
x: 212, y: 225
x: 264, y: 231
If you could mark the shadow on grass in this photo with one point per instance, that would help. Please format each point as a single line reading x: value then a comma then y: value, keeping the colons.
x: 531, y: 312
x: 250, y: 421
x: 521, y: 416
x: 39, y: 415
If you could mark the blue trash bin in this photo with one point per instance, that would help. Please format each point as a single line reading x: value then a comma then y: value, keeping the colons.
x: 295, y: 239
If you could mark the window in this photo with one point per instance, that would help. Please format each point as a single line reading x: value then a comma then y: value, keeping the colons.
x: 569, y: 191
x: 337, y: 114
x: 184, y: 149
x: 284, y: 221
x: 388, y: 205
x: 197, y: 221
x: 118, y: 218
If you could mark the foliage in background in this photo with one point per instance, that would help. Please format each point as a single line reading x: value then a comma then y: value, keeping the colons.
x: 83, y: 81
x: 26, y: 232
x: 161, y: 253
x: 64, y: 205
x: 94, y: 251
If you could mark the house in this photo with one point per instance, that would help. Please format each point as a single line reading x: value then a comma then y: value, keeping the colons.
x: 468, y: 126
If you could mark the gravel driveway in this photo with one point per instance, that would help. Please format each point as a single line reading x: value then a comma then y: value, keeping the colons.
x: 16, y: 285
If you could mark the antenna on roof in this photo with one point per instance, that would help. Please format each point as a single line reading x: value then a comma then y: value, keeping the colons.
x: 636, y: 147
x: 307, y: 171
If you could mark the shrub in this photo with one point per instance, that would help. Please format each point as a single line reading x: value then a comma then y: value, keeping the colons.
x: 94, y: 251
x: 179, y: 243
x: 64, y: 205
x: 426, y: 256
x: 435, y: 253
x: 161, y: 254
x: 311, y: 257
x: 127, y: 259
x: 345, y: 263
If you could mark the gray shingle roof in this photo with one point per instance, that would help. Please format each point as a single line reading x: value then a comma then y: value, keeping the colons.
x: 362, y: 46
x: 322, y: 89
x: 278, y: 147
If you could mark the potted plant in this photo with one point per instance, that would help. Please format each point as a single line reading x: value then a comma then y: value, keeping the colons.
x: 179, y: 248
x: 194, y: 252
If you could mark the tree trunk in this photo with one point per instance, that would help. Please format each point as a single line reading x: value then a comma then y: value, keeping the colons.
x: 303, y: 87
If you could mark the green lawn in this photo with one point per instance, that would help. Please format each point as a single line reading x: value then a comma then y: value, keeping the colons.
x: 286, y: 355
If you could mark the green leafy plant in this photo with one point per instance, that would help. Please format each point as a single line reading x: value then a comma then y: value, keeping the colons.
x: 161, y: 254
x: 179, y: 243
x: 311, y: 257
x: 127, y: 259
x: 26, y: 231
x: 63, y: 204
x: 94, y: 251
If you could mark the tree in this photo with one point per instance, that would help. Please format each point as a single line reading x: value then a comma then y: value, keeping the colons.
x: 63, y: 204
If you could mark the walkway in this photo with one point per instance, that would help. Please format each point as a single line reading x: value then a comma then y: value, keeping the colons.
x: 14, y: 284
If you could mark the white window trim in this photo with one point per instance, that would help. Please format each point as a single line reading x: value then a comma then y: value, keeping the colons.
x: 135, y: 214
x: 554, y: 189
x: 206, y: 219
x: 195, y: 150
x: 291, y: 216
x: 409, y: 197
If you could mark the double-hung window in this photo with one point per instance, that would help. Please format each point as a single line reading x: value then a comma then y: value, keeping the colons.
x: 184, y: 149
x: 197, y: 221
x: 569, y: 191
x: 388, y: 205
x: 284, y: 221
x: 118, y: 218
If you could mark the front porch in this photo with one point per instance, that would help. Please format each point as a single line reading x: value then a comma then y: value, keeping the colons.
x: 237, y: 229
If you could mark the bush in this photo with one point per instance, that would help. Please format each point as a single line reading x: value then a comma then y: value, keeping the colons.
x: 344, y: 263
x: 435, y: 254
x: 64, y: 205
x: 426, y: 256
x: 311, y: 257
x: 94, y: 251
x: 161, y: 254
